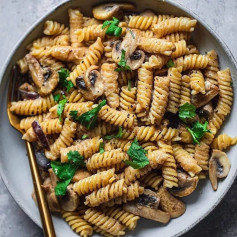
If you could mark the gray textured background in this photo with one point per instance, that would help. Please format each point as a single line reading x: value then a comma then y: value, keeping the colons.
x: 17, y: 15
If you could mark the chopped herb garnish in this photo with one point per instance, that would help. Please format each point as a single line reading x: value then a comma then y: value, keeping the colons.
x: 63, y: 82
x: 138, y: 156
x: 102, y: 150
x: 132, y: 34
x: 198, y: 130
x: 66, y: 171
x: 231, y: 84
x: 129, y: 85
x: 88, y: 119
x: 170, y: 63
x: 187, y: 111
x: 119, y: 134
x: 85, y: 136
x: 122, y: 63
x: 112, y: 27
x: 76, y: 158
x: 57, y: 97
x: 61, y: 106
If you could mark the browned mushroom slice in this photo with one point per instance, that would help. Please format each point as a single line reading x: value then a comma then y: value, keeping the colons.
x: 149, y: 199
x: 219, y: 167
x: 45, y: 79
x: 186, y: 185
x: 53, y: 177
x: 109, y: 10
x: 136, y: 59
x: 91, y: 85
x: 129, y: 44
x: 200, y: 100
x: 50, y: 195
x: 147, y: 13
x: 170, y: 204
x: 146, y: 206
x: 28, y: 92
x: 147, y: 212
x: 70, y: 201
x: 206, y: 111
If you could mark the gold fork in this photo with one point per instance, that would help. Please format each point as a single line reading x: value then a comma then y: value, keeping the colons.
x: 45, y: 215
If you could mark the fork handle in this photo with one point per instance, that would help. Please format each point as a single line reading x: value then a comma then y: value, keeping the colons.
x: 45, y: 214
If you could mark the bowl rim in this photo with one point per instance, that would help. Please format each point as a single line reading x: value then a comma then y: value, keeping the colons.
x: 6, y: 66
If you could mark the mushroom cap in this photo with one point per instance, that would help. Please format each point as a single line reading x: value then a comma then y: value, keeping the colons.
x: 201, y: 99
x: 109, y: 10
x: 219, y: 167
x: 70, y: 201
x: 136, y: 59
x: 149, y: 199
x: 91, y: 84
x: 186, y: 184
x: 147, y: 13
x: 170, y: 204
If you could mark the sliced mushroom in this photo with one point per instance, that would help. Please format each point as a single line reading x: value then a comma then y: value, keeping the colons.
x: 91, y: 84
x: 146, y: 206
x: 109, y: 10
x: 80, y: 174
x: 129, y: 44
x: 50, y: 195
x: 136, y: 59
x: 70, y: 201
x: 170, y: 204
x: 147, y: 13
x: 28, y: 92
x: 149, y: 199
x: 147, y: 212
x: 219, y: 167
x: 53, y: 177
x: 45, y: 79
x: 200, y: 100
x: 186, y: 184
x: 206, y: 111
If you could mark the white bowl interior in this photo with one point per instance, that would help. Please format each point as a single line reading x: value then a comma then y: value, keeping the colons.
x: 14, y: 163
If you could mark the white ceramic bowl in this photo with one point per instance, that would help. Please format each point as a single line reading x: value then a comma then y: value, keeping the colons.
x: 13, y: 161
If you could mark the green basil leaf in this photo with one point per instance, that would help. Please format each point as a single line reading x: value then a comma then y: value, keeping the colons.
x: 61, y: 187
x: 119, y: 134
x: 118, y: 31
x: 85, y: 136
x: 76, y: 158
x: 122, y: 63
x: 88, y: 119
x: 102, y: 150
x: 60, y: 108
x: 187, y: 111
x: 63, y: 82
x: 170, y: 63
x: 57, y: 97
x: 198, y: 130
x: 129, y: 85
x: 138, y: 156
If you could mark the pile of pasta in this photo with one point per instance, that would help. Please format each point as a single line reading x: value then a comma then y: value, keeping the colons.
x: 146, y: 68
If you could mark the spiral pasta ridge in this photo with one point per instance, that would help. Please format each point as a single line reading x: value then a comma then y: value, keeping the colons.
x: 85, y: 148
x: 105, y: 194
x: 33, y: 107
x: 223, y: 141
x: 108, y: 159
x: 117, y: 118
x: 104, y: 222
x: 94, y: 182
x: 77, y: 223
x: 160, y: 99
x: 65, y: 139
x: 152, y: 180
x: 197, y: 83
x: 191, y: 61
x: 185, y: 94
x: 26, y: 123
x: 175, y: 24
x: 180, y: 49
x: 175, y: 78
x: 55, y: 28
x: 201, y: 155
